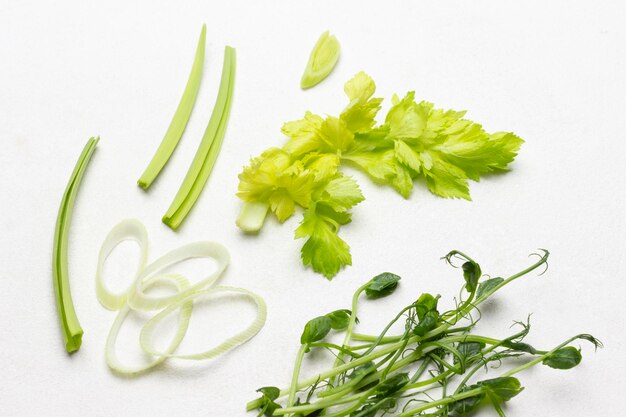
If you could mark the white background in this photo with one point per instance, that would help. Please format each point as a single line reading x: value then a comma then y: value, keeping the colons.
x: 552, y: 72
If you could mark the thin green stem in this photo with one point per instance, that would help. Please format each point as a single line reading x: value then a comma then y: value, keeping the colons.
x: 318, y: 405
x: 351, y: 323
x: 444, y: 401
x: 179, y: 121
x: 296, y: 375
x: 368, y: 338
x: 539, y: 358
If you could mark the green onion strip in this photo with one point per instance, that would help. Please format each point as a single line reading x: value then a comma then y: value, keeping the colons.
x: 72, y: 331
x: 136, y: 299
x: 207, y: 152
x: 179, y: 121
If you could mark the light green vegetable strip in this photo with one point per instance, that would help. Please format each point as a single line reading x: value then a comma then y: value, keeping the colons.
x: 180, y: 119
x: 72, y: 332
x: 322, y: 60
x: 210, y: 145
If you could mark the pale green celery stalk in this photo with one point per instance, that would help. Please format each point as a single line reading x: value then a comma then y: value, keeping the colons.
x: 252, y: 216
x: 207, y: 152
x: 72, y: 332
x: 180, y: 119
x: 322, y: 60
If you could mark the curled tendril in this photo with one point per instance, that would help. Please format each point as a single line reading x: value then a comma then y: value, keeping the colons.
x: 452, y: 255
x: 542, y: 257
x: 408, y: 352
x: 526, y: 326
x: 474, y: 321
x: 314, y: 387
x: 589, y: 338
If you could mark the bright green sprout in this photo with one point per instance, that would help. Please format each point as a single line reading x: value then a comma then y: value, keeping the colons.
x: 180, y: 119
x: 72, y: 332
x: 431, y: 368
x: 416, y: 140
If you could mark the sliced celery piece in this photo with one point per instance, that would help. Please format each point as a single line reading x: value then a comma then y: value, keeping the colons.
x: 180, y: 119
x: 207, y: 152
x: 322, y: 60
x: 72, y: 332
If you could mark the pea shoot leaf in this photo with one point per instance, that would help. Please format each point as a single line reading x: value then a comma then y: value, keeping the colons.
x: 565, y: 358
x: 501, y: 389
x: 315, y: 330
x: 488, y: 285
x: 339, y: 319
x: 469, y: 350
x: 382, y: 285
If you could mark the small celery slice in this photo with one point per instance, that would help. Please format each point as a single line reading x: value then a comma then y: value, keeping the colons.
x: 252, y: 216
x: 180, y: 119
x: 72, y: 332
x: 322, y: 60
x: 207, y: 152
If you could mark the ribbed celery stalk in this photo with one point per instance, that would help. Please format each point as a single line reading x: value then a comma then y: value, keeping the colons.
x: 72, y: 332
x: 210, y: 145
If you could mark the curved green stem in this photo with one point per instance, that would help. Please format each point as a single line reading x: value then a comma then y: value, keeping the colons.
x: 179, y: 121
x: 72, y: 331
x: 443, y: 401
x: 296, y: 375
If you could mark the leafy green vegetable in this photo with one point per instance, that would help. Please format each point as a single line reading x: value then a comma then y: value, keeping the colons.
x: 322, y: 60
x: 207, y: 152
x: 72, y: 331
x: 339, y: 319
x: 564, y: 358
x: 316, y: 329
x: 392, y: 385
x: 469, y: 350
x: 416, y: 140
x: 467, y: 405
x: 269, y: 406
x: 503, y: 388
x: 416, y: 374
x: 488, y: 285
x: 179, y: 121
x: 382, y: 285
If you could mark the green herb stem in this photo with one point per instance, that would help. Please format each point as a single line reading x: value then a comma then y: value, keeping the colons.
x: 540, y: 358
x: 446, y: 400
x: 296, y: 374
x: 352, y: 322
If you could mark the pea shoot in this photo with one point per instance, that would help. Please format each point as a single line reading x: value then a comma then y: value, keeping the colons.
x: 431, y: 368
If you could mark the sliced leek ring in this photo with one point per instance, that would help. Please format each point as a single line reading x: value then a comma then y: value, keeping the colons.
x: 145, y: 338
x: 136, y: 297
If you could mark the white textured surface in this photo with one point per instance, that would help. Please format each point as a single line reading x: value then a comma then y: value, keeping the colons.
x: 553, y: 72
